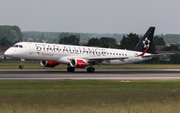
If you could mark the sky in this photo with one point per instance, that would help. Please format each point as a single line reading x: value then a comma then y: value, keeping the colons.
x: 92, y: 16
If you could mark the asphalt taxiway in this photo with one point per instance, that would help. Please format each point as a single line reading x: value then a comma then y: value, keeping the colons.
x: 82, y: 74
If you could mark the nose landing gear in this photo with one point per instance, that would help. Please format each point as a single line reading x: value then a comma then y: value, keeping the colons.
x: 21, y: 62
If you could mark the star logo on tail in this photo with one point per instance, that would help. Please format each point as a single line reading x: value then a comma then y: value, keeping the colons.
x: 146, y: 43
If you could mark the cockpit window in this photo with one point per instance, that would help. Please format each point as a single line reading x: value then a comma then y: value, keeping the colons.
x: 15, y: 46
x: 20, y: 46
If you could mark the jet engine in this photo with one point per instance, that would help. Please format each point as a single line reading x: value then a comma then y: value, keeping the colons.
x: 48, y: 63
x: 79, y: 63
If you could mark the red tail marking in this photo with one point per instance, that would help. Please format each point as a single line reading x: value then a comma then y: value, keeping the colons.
x: 144, y: 52
x: 38, y: 53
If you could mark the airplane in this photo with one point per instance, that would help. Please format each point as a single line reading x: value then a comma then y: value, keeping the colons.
x: 51, y: 55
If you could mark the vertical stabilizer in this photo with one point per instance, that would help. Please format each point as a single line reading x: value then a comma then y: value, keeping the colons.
x: 146, y: 41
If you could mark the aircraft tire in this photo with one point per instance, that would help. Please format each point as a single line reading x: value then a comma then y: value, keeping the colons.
x: 70, y: 69
x: 90, y: 69
x: 21, y: 66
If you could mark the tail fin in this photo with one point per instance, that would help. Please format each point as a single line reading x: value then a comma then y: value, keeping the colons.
x: 145, y: 43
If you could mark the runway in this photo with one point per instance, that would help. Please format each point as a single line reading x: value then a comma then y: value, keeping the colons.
x: 83, y: 75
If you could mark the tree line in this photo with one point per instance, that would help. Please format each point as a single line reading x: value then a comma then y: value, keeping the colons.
x: 10, y: 34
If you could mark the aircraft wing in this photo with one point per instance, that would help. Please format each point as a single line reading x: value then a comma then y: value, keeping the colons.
x: 106, y: 58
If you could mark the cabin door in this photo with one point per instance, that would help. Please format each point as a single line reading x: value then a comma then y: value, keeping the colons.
x: 31, y: 48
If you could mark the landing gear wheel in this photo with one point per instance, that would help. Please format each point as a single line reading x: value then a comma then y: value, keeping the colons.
x: 70, y: 69
x: 21, y: 62
x: 21, y: 66
x: 90, y: 69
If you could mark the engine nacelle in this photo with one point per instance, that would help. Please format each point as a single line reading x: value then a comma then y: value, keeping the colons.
x: 79, y: 63
x: 48, y: 63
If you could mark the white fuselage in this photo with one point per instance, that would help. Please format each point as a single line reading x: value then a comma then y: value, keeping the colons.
x: 63, y: 53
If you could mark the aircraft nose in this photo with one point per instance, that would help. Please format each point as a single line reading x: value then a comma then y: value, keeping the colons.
x: 8, y: 52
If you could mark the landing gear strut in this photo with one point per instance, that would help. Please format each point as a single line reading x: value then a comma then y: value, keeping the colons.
x: 21, y: 62
x: 70, y: 69
x: 90, y: 69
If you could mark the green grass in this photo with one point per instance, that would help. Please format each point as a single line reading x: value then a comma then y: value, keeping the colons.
x: 102, y: 96
x: 61, y: 66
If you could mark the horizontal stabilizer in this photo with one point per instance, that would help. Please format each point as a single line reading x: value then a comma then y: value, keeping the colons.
x: 155, y: 55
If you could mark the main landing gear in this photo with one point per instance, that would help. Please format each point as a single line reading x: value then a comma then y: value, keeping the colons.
x: 21, y: 62
x: 70, y: 69
x: 90, y: 69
